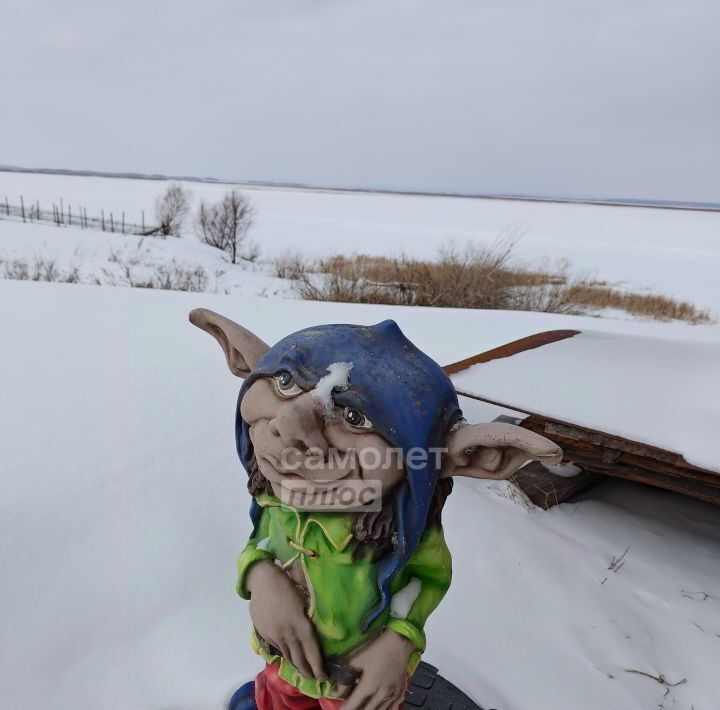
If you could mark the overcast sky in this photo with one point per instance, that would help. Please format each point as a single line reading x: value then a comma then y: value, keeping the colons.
x: 564, y: 97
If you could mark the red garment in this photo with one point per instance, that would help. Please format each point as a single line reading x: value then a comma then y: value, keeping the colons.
x: 273, y: 693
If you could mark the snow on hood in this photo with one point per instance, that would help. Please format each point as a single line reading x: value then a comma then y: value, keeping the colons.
x: 335, y: 380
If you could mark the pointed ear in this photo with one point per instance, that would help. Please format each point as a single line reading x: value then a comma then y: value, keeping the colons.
x: 242, y: 348
x: 495, y: 451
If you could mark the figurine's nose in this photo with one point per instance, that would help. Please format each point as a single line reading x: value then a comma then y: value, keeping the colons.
x: 299, y: 424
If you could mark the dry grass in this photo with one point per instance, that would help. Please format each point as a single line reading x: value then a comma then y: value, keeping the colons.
x: 647, y: 305
x: 133, y: 270
x: 136, y: 271
x: 511, y: 490
x: 290, y: 266
x: 472, y: 278
x: 37, y: 269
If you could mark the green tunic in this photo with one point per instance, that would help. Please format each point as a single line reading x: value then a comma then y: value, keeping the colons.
x: 343, y: 584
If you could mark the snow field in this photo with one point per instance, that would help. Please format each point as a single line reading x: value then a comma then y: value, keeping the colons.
x: 124, y: 507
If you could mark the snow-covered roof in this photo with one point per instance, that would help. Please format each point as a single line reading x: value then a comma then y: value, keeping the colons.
x: 657, y: 391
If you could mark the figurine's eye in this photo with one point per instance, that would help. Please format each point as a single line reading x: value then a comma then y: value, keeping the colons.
x: 285, y: 385
x: 356, y: 419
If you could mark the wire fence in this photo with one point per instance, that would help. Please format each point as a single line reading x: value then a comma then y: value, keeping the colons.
x: 62, y: 216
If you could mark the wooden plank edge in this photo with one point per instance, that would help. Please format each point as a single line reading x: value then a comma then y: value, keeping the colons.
x: 509, y: 349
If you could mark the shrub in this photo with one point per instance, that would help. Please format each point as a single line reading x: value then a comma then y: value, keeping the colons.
x: 171, y: 210
x: 225, y: 225
x: 473, y: 278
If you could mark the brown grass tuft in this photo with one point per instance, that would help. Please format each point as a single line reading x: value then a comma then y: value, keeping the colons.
x: 472, y: 278
x: 647, y: 305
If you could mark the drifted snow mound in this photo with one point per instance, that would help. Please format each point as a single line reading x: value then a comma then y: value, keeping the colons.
x: 663, y: 392
x: 124, y: 506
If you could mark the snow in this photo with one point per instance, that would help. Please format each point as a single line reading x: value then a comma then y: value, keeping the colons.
x: 124, y: 507
x: 547, y: 625
x: 118, y: 259
x: 263, y: 544
x: 404, y: 598
x: 336, y: 379
x: 673, y: 252
x: 657, y: 391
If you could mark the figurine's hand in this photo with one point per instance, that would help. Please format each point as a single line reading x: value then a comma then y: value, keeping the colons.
x: 383, y: 663
x: 278, y: 612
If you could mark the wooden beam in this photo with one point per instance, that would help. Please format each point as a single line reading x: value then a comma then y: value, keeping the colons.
x: 641, y: 464
x: 676, y: 484
x: 609, y: 449
x: 546, y: 490
x: 517, y: 346
x: 598, y: 452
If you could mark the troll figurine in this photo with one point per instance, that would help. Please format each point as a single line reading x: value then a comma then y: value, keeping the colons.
x: 339, y: 593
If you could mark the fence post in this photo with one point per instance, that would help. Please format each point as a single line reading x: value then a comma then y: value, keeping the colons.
x: 123, y: 222
x: 85, y: 216
x: 22, y: 207
x: 7, y: 206
x: 112, y: 224
x: 143, y: 220
x: 102, y: 214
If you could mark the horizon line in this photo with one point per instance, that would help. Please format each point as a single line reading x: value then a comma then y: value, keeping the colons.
x: 267, y: 184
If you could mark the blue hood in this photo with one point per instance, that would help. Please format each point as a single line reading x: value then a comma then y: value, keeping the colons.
x: 407, y: 396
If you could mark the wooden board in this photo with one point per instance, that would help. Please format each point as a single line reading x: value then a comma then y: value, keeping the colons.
x: 595, y: 451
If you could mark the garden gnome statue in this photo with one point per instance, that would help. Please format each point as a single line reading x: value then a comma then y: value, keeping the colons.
x: 350, y: 437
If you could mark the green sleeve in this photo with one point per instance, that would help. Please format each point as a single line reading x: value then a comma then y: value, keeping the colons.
x: 432, y: 566
x: 251, y: 554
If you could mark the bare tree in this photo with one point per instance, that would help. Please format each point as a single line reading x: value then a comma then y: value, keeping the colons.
x: 171, y: 209
x: 225, y: 225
